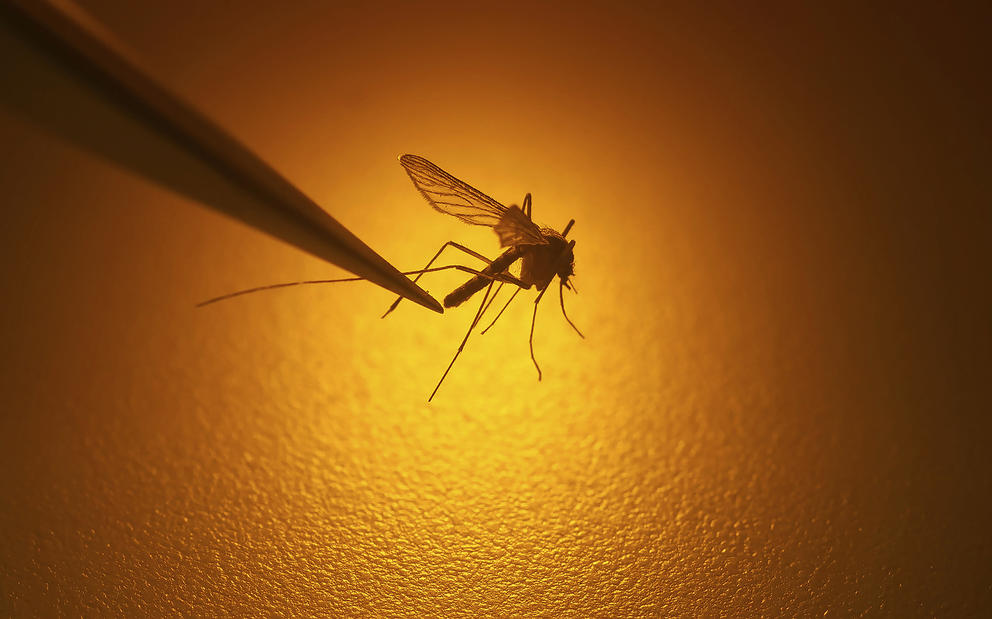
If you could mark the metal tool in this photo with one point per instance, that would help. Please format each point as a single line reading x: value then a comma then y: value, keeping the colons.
x: 62, y: 70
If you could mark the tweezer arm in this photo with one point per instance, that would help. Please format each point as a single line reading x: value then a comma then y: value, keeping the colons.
x: 277, y: 207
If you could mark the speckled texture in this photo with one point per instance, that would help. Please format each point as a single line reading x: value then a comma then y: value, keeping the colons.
x: 780, y: 408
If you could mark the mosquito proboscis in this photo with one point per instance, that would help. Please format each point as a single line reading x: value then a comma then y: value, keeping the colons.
x: 543, y: 253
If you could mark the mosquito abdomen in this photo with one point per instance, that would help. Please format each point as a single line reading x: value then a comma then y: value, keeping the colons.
x: 465, y: 291
x: 462, y: 293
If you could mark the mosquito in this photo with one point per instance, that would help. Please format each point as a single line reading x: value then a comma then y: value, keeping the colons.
x: 544, y: 253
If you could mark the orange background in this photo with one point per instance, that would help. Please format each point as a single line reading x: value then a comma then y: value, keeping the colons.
x: 779, y: 408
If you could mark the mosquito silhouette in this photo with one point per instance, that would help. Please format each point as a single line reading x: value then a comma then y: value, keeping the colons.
x: 543, y: 253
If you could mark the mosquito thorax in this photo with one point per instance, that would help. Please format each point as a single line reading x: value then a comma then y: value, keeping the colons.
x: 541, y: 263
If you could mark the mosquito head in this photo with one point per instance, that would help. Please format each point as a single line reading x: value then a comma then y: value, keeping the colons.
x: 566, y: 267
x: 541, y: 263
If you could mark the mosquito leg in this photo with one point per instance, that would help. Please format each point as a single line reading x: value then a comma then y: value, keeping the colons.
x: 571, y: 222
x: 526, y: 208
x: 502, y: 277
x: 561, y: 298
x: 499, y: 277
x: 493, y: 298
x: 475, y: 321
x: 501, y: 311
x: 468, y: 251
x: 274, y: 286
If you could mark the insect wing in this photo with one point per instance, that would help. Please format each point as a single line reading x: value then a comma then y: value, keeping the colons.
x: 451, y: 196
x: 515, y: 228
x: 457, y: 198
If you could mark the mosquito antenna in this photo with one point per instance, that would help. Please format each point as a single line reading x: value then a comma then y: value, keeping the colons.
x: 507, y: 304
x: 478, y: 315
x: 564, y: 232
x: 561, y: 297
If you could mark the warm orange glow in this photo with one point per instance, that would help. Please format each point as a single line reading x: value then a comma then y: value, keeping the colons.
x: 767, y: 408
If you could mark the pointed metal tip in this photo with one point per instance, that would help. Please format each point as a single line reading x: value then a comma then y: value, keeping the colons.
x: 417, y: 295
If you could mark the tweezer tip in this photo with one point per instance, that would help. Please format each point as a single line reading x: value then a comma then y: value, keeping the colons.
x: 435, y: 306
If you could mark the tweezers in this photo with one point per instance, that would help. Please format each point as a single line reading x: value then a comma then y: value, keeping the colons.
x: 56, y: 51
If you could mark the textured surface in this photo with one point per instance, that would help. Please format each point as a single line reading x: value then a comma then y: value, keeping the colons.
x: 779, y: 408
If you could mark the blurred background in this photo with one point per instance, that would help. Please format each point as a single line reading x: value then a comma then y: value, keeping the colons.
x: 780, y: 407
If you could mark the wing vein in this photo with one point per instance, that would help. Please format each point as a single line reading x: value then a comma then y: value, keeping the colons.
x: 447, y: 194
